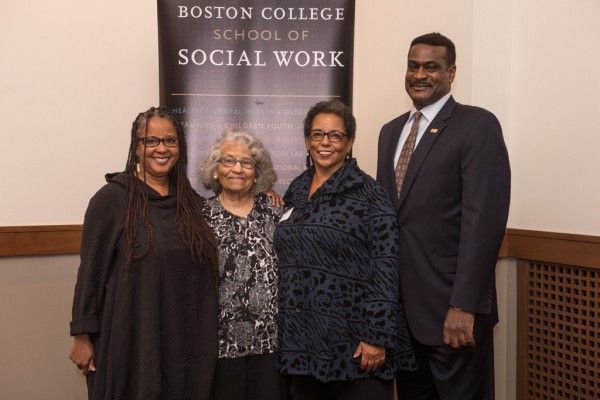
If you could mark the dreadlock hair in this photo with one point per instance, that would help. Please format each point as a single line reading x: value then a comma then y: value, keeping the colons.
x: 192, y: 226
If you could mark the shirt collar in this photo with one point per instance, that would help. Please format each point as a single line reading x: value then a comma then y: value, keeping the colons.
x: 431, y: 110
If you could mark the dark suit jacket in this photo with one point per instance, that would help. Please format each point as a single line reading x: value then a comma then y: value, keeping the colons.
x: 452, y: 215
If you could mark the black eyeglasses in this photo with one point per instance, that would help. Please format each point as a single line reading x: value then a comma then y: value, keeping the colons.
x: 230, y: 162
x: 334, y: 136
x: 152, y: 141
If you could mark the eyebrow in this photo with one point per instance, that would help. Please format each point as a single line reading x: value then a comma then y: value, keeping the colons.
x: 429, y: 62
x: 232, y: 156
x: 166, y: 136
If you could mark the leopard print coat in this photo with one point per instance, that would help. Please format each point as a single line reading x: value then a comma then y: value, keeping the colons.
x: 339, y: 278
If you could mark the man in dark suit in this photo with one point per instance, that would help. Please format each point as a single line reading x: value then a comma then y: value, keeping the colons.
x: 449, y: 177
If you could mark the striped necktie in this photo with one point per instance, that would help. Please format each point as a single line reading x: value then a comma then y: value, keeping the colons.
x: 406, y: 153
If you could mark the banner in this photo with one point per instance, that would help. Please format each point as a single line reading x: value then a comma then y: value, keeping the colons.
x: 256, y: 66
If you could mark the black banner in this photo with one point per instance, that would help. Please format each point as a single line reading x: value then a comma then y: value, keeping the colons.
x: 256, y: 66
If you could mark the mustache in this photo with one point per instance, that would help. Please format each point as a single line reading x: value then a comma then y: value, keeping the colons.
x: 419, y: 82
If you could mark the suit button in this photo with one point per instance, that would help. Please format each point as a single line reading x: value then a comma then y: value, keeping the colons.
x: 299, y: 307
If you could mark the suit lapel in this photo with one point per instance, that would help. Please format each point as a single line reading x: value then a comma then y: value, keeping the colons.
x: 434, y: 130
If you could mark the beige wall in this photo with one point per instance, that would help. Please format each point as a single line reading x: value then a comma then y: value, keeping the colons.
x: 555, y: 138
x: 35, y: 310
x: 70, y: 89
x: 73, y: 76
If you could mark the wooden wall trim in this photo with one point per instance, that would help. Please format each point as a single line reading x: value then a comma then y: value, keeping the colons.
x: 556, y: 248
x: 560, y: 248
x: 39, y: 240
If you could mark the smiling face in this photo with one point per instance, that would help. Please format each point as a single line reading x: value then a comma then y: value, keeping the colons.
x: 428, y: 78
x: 235, y: 180
x: 328, y: 156
x: 157, y: 161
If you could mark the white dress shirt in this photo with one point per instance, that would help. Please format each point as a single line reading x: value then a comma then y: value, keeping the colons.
x: 428, y: 113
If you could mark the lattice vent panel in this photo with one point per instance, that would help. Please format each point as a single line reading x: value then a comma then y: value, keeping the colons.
x: 563, y: 330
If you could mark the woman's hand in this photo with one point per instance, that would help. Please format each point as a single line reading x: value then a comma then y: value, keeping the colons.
x: 372, y: 356
x: 82, y: 353
x: 275, y: 197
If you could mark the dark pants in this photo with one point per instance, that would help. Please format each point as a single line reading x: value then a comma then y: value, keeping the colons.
x: 447, y: 374
x: 249, y: 378
x: 308, y: 388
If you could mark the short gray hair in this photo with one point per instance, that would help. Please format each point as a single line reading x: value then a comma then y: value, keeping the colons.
x: 265, y: 172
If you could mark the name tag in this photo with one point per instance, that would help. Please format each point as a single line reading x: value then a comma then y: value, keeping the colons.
x: 286, y: 215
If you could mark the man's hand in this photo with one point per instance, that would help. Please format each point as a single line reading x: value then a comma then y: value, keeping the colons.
x: 458, y: 328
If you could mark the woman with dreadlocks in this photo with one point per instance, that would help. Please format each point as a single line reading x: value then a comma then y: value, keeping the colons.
x: 145, y: 306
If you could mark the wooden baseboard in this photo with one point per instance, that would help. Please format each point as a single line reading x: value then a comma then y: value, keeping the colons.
x: 560, y: 248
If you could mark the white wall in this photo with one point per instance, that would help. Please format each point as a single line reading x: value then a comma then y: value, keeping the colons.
x: 74, y: 74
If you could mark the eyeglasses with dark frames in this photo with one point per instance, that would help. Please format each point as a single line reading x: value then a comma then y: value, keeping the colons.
x: 333, y: 136
x: 229, y: 162
x: 151, y: 141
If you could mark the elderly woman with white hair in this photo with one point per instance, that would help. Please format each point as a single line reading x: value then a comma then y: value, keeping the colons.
x: 239, y: 169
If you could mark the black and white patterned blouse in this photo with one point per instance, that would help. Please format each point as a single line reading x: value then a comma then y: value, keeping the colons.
x: 247, y: 277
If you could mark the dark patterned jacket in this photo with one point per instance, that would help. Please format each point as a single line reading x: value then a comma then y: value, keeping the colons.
x: 339, y: 278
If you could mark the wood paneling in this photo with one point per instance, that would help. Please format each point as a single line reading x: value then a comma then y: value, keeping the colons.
x: 558, y: 297
x: 558, y: 332
x: 39, y: 240
x: 553, y: 270
x: 560, y: 248
x: 556, y: 248
x: 522, y: 337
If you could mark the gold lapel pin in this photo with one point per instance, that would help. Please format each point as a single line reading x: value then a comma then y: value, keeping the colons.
x: 434, y: 130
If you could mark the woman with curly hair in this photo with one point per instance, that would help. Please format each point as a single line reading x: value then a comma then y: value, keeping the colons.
x: 238, y: 169
x: 342, y: 332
